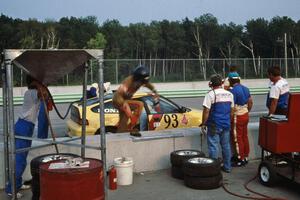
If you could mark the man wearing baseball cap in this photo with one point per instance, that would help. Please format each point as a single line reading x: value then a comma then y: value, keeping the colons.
x: 239, y: 129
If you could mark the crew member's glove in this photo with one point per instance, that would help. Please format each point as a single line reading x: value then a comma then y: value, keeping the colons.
x: 203, y: 129
x: 156, y: 105
x: 49, y: 105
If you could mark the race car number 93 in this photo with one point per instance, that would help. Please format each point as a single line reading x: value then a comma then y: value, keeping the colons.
x: 171, y: 120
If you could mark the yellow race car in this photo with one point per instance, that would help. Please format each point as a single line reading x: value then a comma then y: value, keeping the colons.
x: 171, y: 115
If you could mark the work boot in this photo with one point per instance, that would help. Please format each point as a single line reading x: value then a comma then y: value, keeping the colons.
x: 19, y: 195
x: 246, y: 160
x: 225, y: 170
x: 135, y: 134
x: 238, y: 163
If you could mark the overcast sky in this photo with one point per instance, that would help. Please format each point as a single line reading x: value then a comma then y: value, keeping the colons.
x: 133, y: 11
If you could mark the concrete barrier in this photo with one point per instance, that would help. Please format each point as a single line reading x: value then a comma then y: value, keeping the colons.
x: 149, y: 152
x: 65, y: 94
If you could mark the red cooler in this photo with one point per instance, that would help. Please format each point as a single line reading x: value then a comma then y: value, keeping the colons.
x: 72, y: 183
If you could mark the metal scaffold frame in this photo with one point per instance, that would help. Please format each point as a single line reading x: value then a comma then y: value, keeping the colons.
x: 47, y: 66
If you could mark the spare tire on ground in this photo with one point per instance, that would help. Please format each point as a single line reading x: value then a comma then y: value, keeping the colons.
x: 201, y: 167
x: 35, y: 169
x: 203, y: 183
x: 179, y: 157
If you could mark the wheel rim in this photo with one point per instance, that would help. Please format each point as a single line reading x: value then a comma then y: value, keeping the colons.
x: 264, y: 174
x: 184, y: 153
x: 201, y: 160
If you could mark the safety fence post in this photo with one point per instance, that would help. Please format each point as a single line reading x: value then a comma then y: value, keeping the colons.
x: 84, y: 110
x: 10, y: 125
x: 5, y: 128
x: 102, y: 124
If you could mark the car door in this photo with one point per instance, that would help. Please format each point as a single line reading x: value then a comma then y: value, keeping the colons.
x: 170, y: 115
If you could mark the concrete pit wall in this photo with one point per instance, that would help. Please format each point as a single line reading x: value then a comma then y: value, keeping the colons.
x: 150, y: 152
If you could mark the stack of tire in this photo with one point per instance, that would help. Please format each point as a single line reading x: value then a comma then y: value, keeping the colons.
x: 35, y: 169
x: 179, y: 157
x: 198, y: 171
x: 202, y: 173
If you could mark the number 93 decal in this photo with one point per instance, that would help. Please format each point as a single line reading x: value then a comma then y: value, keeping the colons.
x: 171, y: 119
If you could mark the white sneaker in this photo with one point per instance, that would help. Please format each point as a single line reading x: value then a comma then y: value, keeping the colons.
x: 19, y: 195
x: 25, y: 187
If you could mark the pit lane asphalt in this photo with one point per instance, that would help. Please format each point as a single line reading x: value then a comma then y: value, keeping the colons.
x: 60, y: 127
x: 159, y: 185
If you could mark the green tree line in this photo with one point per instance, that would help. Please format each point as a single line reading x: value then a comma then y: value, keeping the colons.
x: 202, y: 37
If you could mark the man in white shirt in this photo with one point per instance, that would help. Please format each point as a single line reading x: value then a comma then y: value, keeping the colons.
x: 217, y: 111
x: 277, y: 99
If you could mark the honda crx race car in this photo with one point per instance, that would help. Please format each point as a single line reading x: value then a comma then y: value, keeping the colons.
x: 171, y: 115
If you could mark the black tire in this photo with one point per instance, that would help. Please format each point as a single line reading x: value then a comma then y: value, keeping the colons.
x: 177, y: 172
x: 204, y: 183
x: 201, y: 167
x: 178, y: 157
x: 267, y: 174
x: 108, y: 129
x: 35, y: 170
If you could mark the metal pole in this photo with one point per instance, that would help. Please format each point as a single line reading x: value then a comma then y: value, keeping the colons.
x: 21, y: 77
x: 261, y: 68
x: 117, y: 81
x: 183, y: 64
x: 285, y: 56
x: 91, y: 66
x: 84, y: 110
x: 102, y: 125
x: 164, y: 76
x: 5, y: 128
x: 10, y: 125
x: 224, y: 73
x: 245, y: 69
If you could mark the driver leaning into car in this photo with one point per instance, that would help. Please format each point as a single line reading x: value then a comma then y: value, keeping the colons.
x: 131, y: 109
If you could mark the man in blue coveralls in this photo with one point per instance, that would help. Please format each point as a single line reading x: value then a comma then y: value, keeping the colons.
x: 217, y: 111
x: 25, y: 127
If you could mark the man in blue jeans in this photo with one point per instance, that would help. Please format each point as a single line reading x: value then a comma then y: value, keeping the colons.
x: 217, y: 111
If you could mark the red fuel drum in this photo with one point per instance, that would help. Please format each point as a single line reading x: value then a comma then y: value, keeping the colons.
x: 112, y: 178
x: 76, y: 184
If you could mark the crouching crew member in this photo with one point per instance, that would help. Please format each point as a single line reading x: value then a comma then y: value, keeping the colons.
x: 131, y: 109
x: 239, y: 130
x: 217, y: 110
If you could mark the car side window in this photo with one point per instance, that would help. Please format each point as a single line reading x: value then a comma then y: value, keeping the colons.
x: 165, y: 105
x: 108, y: 108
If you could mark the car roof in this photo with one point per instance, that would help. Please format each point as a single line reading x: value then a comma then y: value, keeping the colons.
x: 109, y: 96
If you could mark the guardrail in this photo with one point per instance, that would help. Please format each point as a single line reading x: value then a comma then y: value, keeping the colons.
x: 189, y: 93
